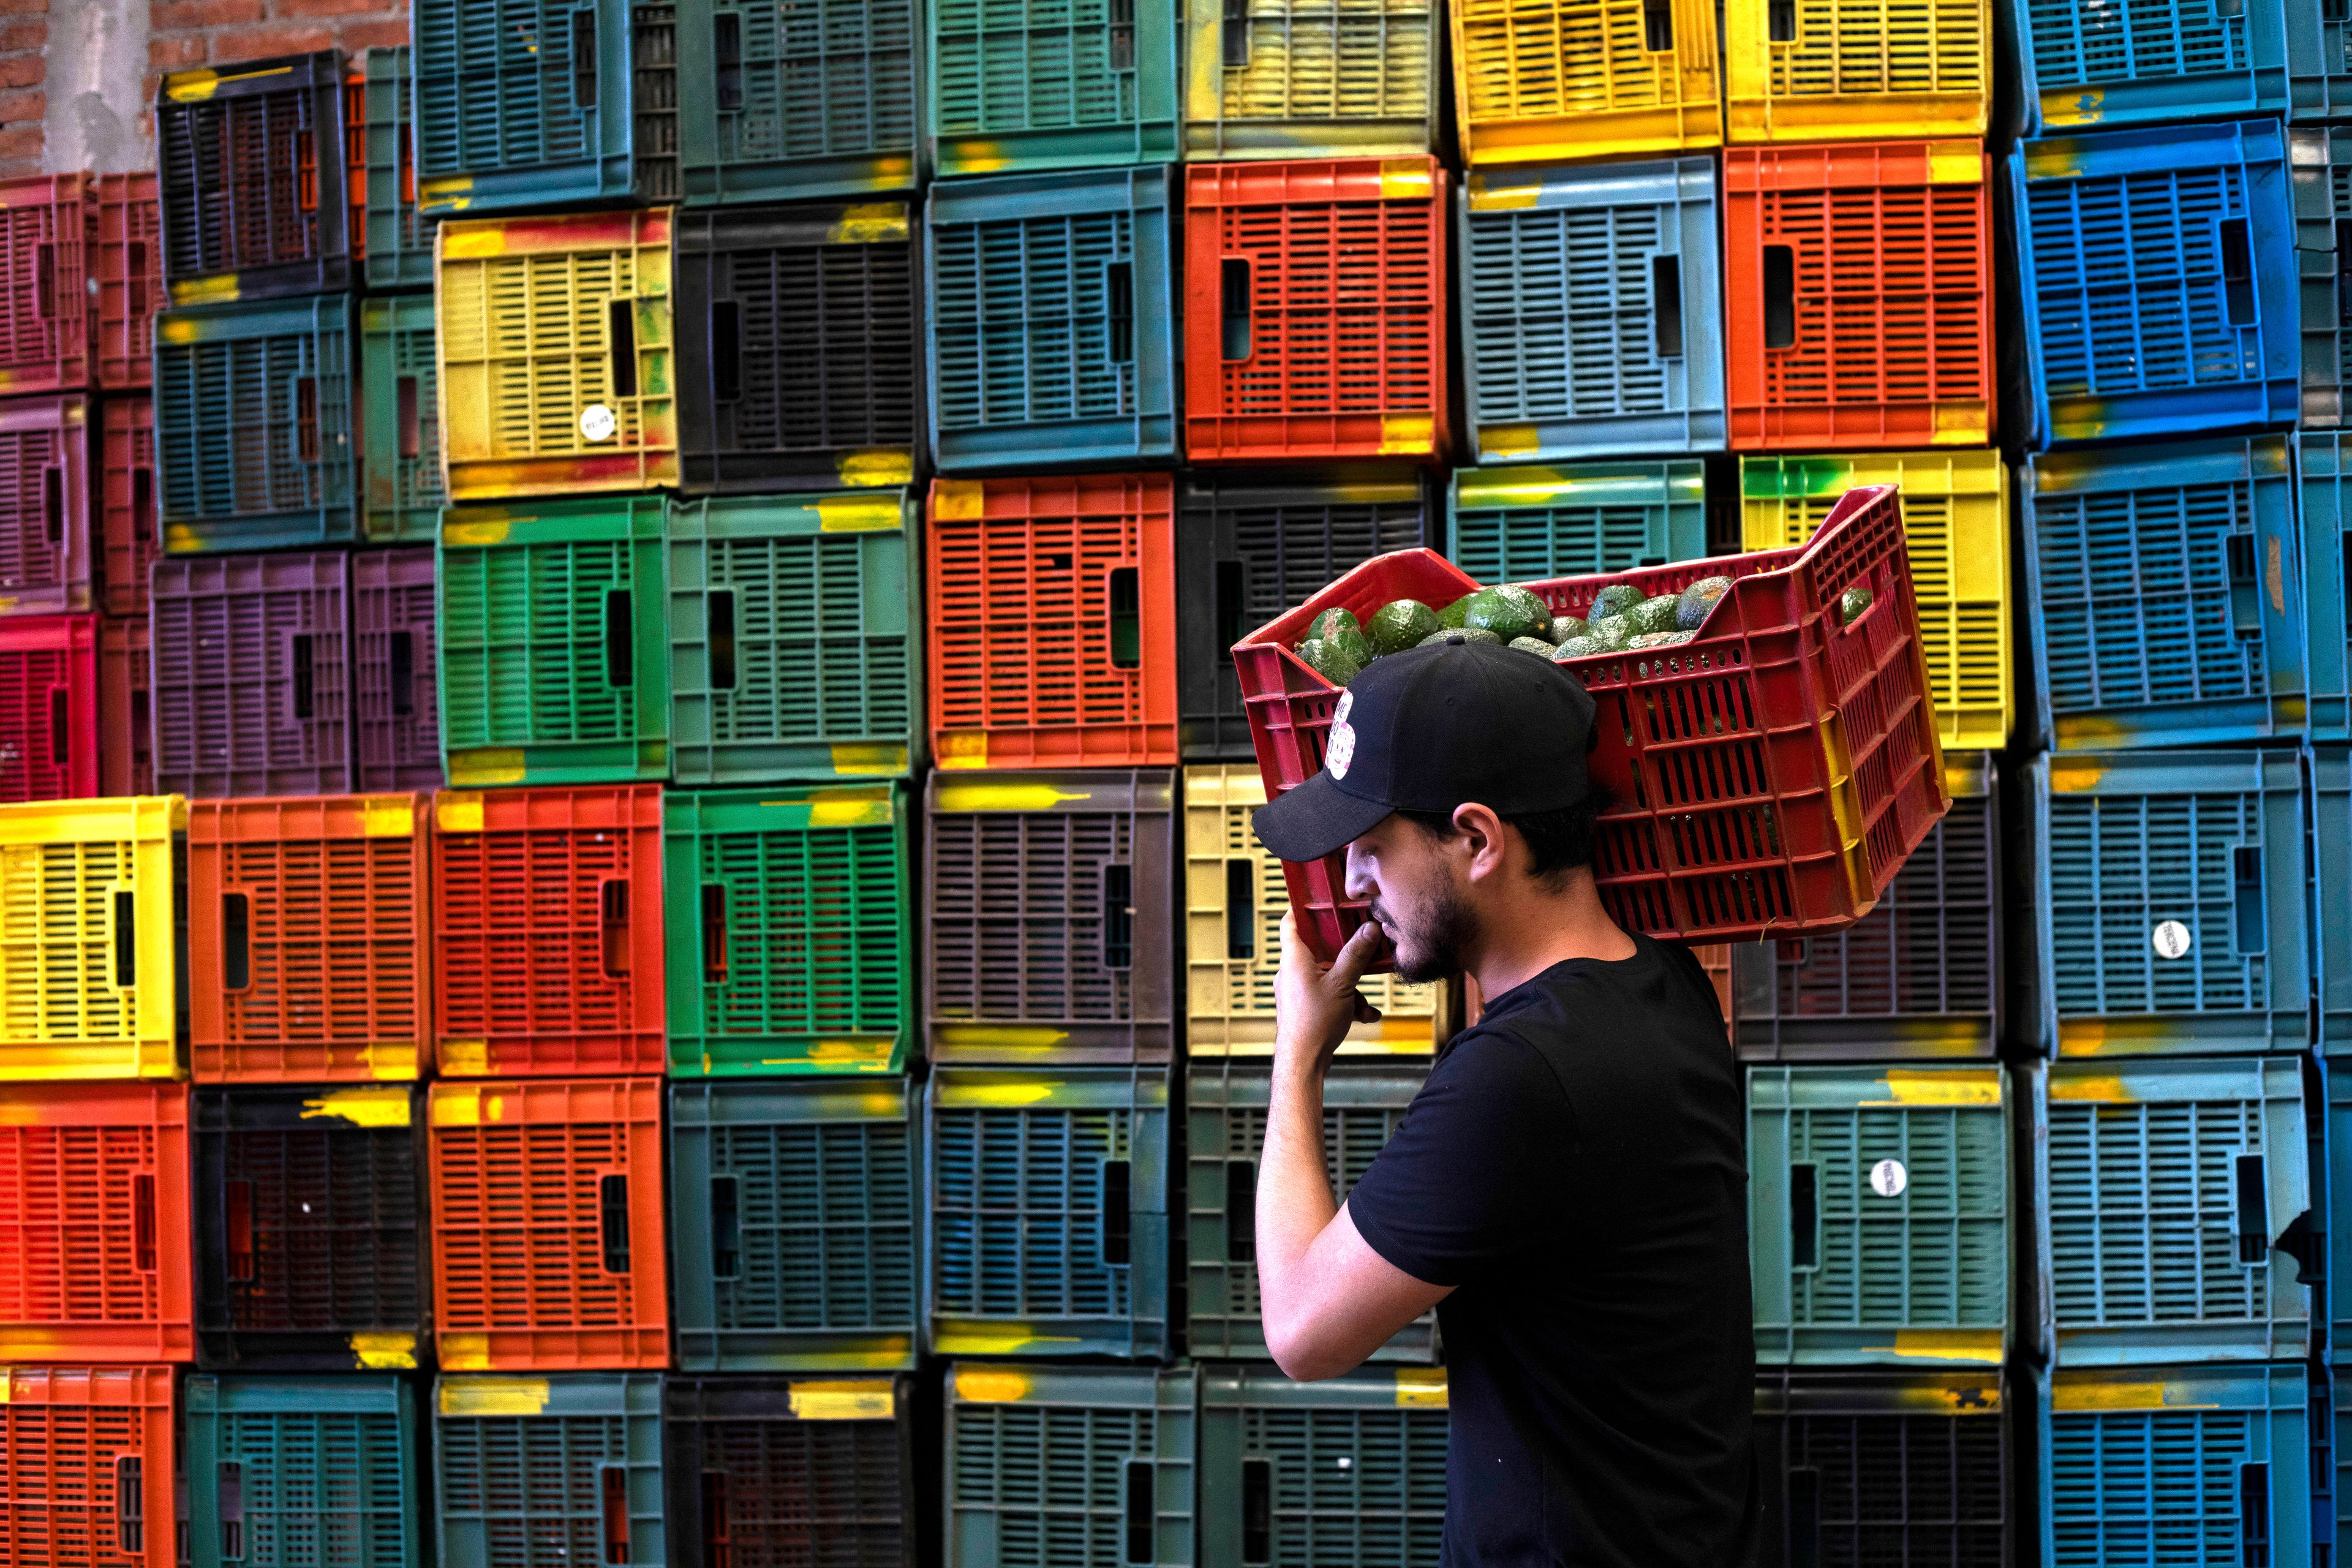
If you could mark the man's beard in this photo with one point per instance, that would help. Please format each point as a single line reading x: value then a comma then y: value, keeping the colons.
x: 1432, y: 950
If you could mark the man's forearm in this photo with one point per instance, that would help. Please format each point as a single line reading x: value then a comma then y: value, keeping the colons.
x: 1294, y: 1193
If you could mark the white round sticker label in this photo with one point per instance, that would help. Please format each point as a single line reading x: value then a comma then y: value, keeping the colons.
x: 1339, y: 749
x: 597, y: 423
x: 1888, y: 1178
x: 2170, y: 939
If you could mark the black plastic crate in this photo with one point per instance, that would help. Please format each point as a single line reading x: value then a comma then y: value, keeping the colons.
x: 395, y: 723
x: 1918, y: 976
x: 251, y: 687
x: 798, y: 343
x: 776, y: 1472
x: 1248, y: 547
x: 310, y: 1234
x: 255, y: 180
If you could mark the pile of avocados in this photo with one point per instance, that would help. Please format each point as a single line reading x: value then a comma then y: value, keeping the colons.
x: 1622, y: 620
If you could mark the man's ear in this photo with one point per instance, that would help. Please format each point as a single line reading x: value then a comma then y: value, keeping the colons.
x: 1481, y: 832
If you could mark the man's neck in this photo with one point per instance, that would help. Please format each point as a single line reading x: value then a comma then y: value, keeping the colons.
x: 1528, y: 938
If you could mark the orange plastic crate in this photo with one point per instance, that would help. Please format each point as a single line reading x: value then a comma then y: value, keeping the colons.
x: 1315, y: 310
x: 1053, y: 634
x: 94, y: 1257
x: 88, y: 1456
x: 548, y: 1248
x: 308, y: 947
x: 547, y: 926
x: 1858, y: 295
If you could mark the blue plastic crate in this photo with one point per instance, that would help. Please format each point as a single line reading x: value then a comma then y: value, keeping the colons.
x: 549, y: 1472
x: 2176, y: 1464
x: 786, y: 101
x: 303, y: 1472
x: 1520, y: 525
x: 2163, y: 1186
x: 254, y: 430
x: 2324, y: 470
x: 2170, y: 898
x: 1591, y: 311
x: 1049, y: 84
x: 1272, y: 1468
x: 1879, y: 1205
x: 2165, y: 585
x: 792, y: 1224
x: 1052, y: 316
x: 2148, y: 60
x: 2156, y: 272
x: 2319, y: 1386
x: 1053, y: 1467
x: 1045, y: 1199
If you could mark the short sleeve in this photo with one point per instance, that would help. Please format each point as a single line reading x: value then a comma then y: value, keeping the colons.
x: 1480, y: 1149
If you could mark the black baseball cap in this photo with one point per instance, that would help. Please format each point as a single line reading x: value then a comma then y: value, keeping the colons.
x: 1430, y: 727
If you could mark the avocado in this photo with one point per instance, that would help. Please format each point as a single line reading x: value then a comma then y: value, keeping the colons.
x: 1338, y: 629
x: 1532, y: 645
x: 1507, y: 613
x: 1656, y: 615
x: 1611, y: 631
x: 1538, y: 614
x: 1330, y: 660
x: 1566, y: 626
x: 1614, y: 600
x: 1850, y: 608
x: 1578, y: 648
x: 1464, y: 634
x: 1320, y: 627
x: 1450, y: 617
x: 1697, y: 600
x: 1398, y: 625
x: 1659, y: 639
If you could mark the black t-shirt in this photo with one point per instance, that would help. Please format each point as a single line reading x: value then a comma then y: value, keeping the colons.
x: 1574, y: 1165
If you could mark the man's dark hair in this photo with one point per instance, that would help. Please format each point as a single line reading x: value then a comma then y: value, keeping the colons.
x: 1558, y: 841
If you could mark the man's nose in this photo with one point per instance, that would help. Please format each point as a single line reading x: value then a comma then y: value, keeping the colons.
x: 1361, y: 882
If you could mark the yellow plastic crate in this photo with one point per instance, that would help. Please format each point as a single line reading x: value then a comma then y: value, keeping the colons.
x: 1232, y: 950
x: 1856, y: 69
x: 89, y: 938
x: 1547, y: 80
x: 1300, y: 78
x: 553, y: 342
x: 1956, y: 520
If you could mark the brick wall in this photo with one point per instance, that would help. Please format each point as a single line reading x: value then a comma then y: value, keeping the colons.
x: 24, y: 40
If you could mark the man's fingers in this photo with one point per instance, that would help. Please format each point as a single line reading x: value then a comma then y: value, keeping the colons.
x: 1365, y: 1012
x: 1356, y: 957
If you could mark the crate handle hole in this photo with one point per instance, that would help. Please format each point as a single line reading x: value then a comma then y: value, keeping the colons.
x: 583, y: 59
x: 2248, y: 919
x: 612, y: 1220
x: 300, y: 657
x: 142, y: 506
x: 1118, y: 310
x: 1235, y: 43
x: 1118, y: 916
x: 237, y: 1207
x: 236, y: 950
x: 718, y: 1541
x: 1780, y: 297
x: 1116, y: 1239
x: 1804, y: 1486
x: 1667, y: 304
x: 621, y: 338
x: 1804, y: 1216
x: 1240, y: 908
x: 401, y: 654
x: 229, y: 1495
x: 1241, y: 1211
x: 53, y: 504
x: 143, y: 1222
x: 306, y: 418
x: 1121, y: 16
x: 719, y: 608
x: 1125, y: 591
x: 726, y: 49
x: 1234, y: 308
x: 134, y: 261
x: 129, y: 1506
x: 411, y: 437
x: 614, y: 1483
x: 60, y: 721
x: 1784, y: 21
x: 613, y: 919
x: 125, y: 936
x: 2252, y: 1190
x: 2245, y: 587
x: 45, y: 280
x: 1142, y: 1510
x: 726, y: 350
x: 726, y: 1227
x: 1658, y: 25
x: 1257, y: 1511
x: 714, y: 933
x: 620, y: 671
x: 2238, y: 270
x: 2254, y: 1515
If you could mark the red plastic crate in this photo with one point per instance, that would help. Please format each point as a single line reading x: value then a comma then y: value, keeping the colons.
x: 308, y: 947
x: 47, y: 223
x: 127, y: 540
x: 547, y: 1245
x: 49, y: 708
x: 1858, y: 287
x: 126, y: 727
x: 1764, y: 780
x: 128, y: 267
x: 547, y: 918
x: 1315, y: 310
x: 1053, y: 635
x: 94, y: 1224
x: 90, y: 1453
x: 44, y: 534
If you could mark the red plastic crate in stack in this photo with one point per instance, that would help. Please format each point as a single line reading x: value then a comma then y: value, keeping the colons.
x: 128, y: 267
x: 47, y: 223
x: 94, y: 1255
x: 1858, y: 287
x: 1053, y: 621
x: 549, y: 1252
x: 1316, y: 309
x: 309, y: 943
x: 90, y: 1456
x: 126, y: 728
x: 45, y: 533
x: 547, y: 921
x: 49, y: 708
x: 126, y: 542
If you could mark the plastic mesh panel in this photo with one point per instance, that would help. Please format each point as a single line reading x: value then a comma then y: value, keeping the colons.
x: 819, y: 102
x: 776, y: 1468
x: 400, y: 451
x: 254, y: 179
x: 71, y: 1437
x: 307, y: 1469
x: 47, y: 228
x: 514, y: 1489
x: 393, y: 676
x: 252, y: 674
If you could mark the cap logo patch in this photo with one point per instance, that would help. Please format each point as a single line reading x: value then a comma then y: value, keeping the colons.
x: 1339, y: 749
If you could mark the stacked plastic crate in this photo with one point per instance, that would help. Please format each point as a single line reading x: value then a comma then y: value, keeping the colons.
x: 2167, y: 834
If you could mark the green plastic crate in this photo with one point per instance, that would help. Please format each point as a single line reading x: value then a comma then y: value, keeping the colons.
x: 1520, y: 525
x: 815, y: 101
x: 791, y: 651
x: 1348, y: 1470
x: 1878, y: 1207
x: 400, y: 421
x: 552, y: 640
x: 1018, y: 85
x: 1070, y: 1467
x: 399, y: 242
x: 303, y: 1472
x: 788, y: 930
x: 792, y: 1223
x: 549, y: 1472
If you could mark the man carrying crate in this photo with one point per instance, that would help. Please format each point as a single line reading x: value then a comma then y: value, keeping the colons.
x: 1569, y: 1187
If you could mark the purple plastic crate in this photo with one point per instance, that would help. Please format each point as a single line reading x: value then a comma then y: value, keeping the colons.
x: 45, y: 505
x: 251, y: 687
x: 399, y: 728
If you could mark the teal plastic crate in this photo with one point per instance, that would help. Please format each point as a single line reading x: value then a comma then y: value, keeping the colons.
x: 788, y: 103
x: 399, y: 428
x: 791, y: 637
x: 303, y: 1472
x: 254, y: 427
x: 2331, y: 885
x: 1529, y: 524
x: 1049, y: 84
x: 2331, y: 1192
x: 794, y: 1470
x: 553, y: 642
x: 1878, y: 1211
x: 549, y: 1472
x: 1224, y: 1111
x: 1070, y: 1467
x: 2171, y: 896
x: 2324, y: 470
x: 399, y: 240
x: 2164, y: 1187
x: 1045, y: 1212
x: 1350, y: 1469
x: 792, y: 1223
x: 788, y: 931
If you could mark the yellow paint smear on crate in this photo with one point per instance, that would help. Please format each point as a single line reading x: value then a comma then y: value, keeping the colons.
x: 466, y: 1056
x: 1956, y: 162
x: 1962, y: 422
x: 962, y: 749
x: 869, y: 223
x: 219, y: 289
x: 1005, y: 797
x: 852, y: 812
x: 872, y: 1054
x: 387, y: 817
x: 463, y: 1352
x: 1020, y: 1092
x: 1502, y: 193
x: 1422, y: 1386
x: 877, y: 465
x: 385, y: 1352
x: 361, y: 1106
x: 488, y: 767
x: 1983, y: 1347
x: 999, y: 1036
x: 977, y: 1385
x: 493, y: 1395
x: 1924, y: 1086
x: 2106, y: 1089
x: 845, y: 1399
x: 958, y: 500
x: 475, y: 534
x: 972, y: 158
x: 2065, y: 1394
x: 469, y: 1108
x: 473, y: 242
x: 1407, y: 433
x: 457, y: 812
x: 1506, y: 441
x: 1406, y: 179
x: 877, y: 757
x: 176, y: 329
x: 195, y: 86
x: 858, y: 514
x: 2073, y: 778
x: 996, y: 1339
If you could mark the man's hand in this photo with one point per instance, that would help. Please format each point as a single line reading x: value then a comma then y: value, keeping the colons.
x: 1314, y: 1004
